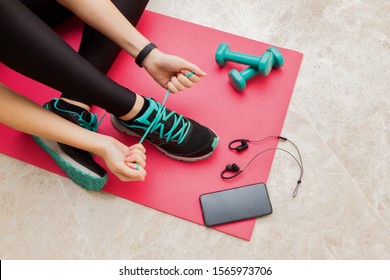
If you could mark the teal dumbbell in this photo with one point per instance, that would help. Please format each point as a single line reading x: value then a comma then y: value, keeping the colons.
x: 238, y: 79
x: 278, y: 57
x: 262, y: 63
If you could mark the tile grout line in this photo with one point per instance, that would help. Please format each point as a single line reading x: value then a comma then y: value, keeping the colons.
x: 77, y: 219
x: 346, y: 171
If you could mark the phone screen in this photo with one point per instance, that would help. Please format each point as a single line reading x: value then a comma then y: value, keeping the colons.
x: 235, y: 204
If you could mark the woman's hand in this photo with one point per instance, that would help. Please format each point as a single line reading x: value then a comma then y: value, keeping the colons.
x: 124, y: 161
x: 170, y: 71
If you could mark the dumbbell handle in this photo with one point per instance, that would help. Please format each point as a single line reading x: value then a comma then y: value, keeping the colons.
x: 249, y: 72
x: 238, y: 79
x: 247, y: 59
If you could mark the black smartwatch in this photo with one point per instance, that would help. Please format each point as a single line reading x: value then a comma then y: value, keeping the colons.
x: 144, y: 53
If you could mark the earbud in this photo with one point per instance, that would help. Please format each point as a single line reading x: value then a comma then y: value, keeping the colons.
x: 232, y: 167
x: 242, y: 146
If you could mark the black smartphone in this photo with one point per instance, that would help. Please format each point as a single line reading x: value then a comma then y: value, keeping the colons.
x: 235, y: 204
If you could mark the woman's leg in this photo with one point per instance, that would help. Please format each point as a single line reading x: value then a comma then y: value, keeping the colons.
x: 32, y: 48
x: 97, y: 49
x: 100, y: 51
x: 50, y: 11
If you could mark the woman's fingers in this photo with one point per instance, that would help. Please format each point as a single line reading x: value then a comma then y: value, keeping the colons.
x: 185, y: 81
x: 138, y: 146
x: 129, y: 172
x: 139, y: 169
x: 181, y: 82
x: 139, y: 152
x: 190, y: 67
x: 136, y: 158
x: 175, y: 81
x: 171, y: 87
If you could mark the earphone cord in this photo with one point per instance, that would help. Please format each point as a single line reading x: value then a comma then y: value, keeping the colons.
x: 266, y: 138
x: 300, y: 163
x: 301, y: 167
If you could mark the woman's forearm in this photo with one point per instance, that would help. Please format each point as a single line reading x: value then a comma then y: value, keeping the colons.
x: 20, y: 113
x: 107, y: 19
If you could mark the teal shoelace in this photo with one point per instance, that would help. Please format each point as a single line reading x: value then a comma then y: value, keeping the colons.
x: 161, y: 114
x: 93, y: 125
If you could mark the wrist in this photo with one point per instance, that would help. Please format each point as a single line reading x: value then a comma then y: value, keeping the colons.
x: 100, y: 144
x: 151, y: 59
x: 144, y: 53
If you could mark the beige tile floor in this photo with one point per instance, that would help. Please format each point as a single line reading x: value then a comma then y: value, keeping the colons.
x: 339, y: 116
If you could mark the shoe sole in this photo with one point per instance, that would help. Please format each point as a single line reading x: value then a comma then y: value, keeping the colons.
x: 118, y: 126
x: 75, y: 171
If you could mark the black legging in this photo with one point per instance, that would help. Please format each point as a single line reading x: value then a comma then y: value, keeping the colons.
x: 30, y: 46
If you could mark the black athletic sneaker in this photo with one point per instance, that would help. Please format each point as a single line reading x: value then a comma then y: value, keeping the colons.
x: 174, y: 135
x: 78, y: 164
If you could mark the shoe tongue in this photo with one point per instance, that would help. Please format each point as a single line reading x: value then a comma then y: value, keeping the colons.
x: 156, y: 118
x: 148, y: 114
x: 86, y: 116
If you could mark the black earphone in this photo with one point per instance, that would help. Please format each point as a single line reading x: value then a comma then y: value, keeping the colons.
x: 235, y: 170
x: 231, y: 168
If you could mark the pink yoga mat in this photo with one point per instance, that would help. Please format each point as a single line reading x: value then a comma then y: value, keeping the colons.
x: 174, y: 187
